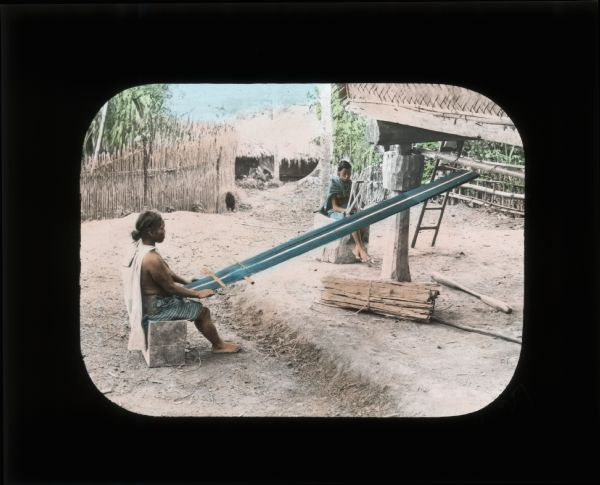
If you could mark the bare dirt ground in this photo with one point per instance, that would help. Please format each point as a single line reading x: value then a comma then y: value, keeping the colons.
x: 301, y: 358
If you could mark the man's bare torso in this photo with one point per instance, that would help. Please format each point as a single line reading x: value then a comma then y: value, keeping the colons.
x: 147, y: 283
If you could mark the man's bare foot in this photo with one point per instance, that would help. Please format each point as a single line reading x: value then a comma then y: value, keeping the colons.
x: 226, y: 348
x: 356, y: 252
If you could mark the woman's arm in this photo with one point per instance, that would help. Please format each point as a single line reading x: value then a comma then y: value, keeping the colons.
x: 179, y: 279
x: 176, y: 278
x: 166, y: 279
x: 335, y: 204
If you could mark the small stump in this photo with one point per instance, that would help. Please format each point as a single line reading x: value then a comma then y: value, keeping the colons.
x: 340, y: 250
x: 166, y: 343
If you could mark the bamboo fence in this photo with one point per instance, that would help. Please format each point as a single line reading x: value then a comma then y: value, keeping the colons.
x: 497, y: 191
x: 186, y: 167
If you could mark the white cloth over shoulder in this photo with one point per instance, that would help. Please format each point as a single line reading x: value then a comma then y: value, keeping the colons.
x: 133, y: 295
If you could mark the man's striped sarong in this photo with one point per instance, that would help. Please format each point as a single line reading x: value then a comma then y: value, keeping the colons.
x: 167, y: 308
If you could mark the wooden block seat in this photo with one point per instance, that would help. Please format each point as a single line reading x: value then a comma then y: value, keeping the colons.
x: 166, y: 343
x: 340, y: 250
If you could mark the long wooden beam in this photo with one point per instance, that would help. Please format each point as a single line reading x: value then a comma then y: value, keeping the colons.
x: 468, y: 162
x: 469, y: 126
x: 487, y: 190
x: 325, y: 234
x: 387, y: 133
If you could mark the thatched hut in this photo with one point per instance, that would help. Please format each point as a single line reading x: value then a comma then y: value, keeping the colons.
x: 285, y: 142
x: 250, y: 156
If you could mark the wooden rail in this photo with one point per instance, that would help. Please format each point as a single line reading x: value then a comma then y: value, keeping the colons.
x: 479, y: 165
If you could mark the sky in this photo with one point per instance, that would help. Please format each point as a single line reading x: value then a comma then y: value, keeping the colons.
x: 220, y: 101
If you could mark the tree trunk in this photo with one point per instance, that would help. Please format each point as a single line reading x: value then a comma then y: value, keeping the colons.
x: 100, y: 131
x: 326, y: 137
x: 276, y: 160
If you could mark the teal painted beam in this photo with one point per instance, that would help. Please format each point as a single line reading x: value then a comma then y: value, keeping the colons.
x: 323, y: 235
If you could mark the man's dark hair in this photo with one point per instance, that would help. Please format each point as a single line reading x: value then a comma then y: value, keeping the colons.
x: 146, y: 222
x: 344, y: 163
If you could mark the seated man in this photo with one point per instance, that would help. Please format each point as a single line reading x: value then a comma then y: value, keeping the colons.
x: 336, y: 204
x: 152, y: 292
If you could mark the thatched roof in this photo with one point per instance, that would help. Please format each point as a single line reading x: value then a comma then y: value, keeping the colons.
x: 435, y: 107
x: 253, y: 150
x: 285, y: 133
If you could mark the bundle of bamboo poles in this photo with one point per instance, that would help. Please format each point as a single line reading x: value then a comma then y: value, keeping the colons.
x: 413, y: 301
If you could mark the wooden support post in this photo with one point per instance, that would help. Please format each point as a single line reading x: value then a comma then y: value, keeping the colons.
x: 402, y: 171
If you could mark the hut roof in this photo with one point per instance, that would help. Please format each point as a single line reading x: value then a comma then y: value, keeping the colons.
x: 437, y: 107
x: 287, y: 133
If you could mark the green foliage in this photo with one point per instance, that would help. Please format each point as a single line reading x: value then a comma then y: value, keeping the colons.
x: 494, y: 152
x: 478, y: 150
x: 134, y: 112
x: 429, y: 145
x: 350, y: 137
x: 427, y: 170
x: 349, y: 132
x: 429, y: 163
x: 315, y: 102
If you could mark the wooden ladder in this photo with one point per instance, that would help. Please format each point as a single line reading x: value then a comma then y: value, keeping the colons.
x: 444, y: 147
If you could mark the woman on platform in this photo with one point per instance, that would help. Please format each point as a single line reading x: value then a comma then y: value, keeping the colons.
x: 336, y: 204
